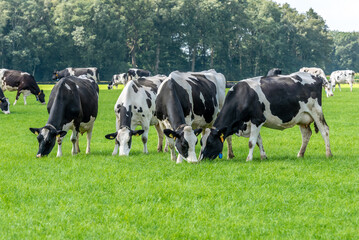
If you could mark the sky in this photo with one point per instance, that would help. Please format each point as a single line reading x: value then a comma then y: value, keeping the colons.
x: 341, y: 15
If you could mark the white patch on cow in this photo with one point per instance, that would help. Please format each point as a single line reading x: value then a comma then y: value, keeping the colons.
x: 45, y: 133
x: 191, y: 138
x: 66, y: 127
x: 26, y: 92
x: 24, y: 73
x: 124, y: 137
x: 84, y: 127
x: 67, y: 86
x: 71, y: 71
x: 306, y: 78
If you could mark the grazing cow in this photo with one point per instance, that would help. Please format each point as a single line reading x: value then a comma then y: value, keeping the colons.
x: 274, y: 72
x: 22, y: 82
x: 117, y: 79
x: 187, y: 102
x: 72, y: 105
x: 319, y: 72
x: 135, y: 107
x: 277, y: 102
x: 90, y: 72
x: 4, y: 103
x: 342, y: 76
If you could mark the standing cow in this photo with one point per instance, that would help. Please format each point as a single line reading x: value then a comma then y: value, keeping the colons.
x: 277, y: 102
x: 117, y: 79
x: 342, y: 76
x: 135, y: 107
x: 4, y: 103
x: 90, y: 72
x: 319, y: 72
x: 22, y: 82
x: 186, y: 103
x: 72, y: 105
x: 134, y: 73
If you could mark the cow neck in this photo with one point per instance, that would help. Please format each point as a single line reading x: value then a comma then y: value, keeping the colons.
x: 57, y: 114
x: 125, y: 117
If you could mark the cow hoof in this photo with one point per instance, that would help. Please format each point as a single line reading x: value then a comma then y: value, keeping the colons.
x: 264, y: 157
x: 249, y: 159
x: 230, y: 156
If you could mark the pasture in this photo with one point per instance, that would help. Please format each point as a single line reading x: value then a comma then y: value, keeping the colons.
x: 100, y: 196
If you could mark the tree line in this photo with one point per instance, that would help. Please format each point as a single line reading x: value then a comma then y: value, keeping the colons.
x: 240, y: 38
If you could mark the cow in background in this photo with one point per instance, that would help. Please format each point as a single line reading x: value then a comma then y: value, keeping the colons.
x: 342, y: 76
x: 319, y: 72
x: 135, y: 107
x: 22, y: 82
x: 73, y: 104
x: 274, y: 72
x: 277, y: 102
x: 117, y: 79
x: 90, y: 72
x: 4, y: 103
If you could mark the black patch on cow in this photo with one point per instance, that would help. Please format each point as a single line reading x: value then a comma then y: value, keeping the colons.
x: 135, y: 107
x: 207, y: 89
x: 148, y: 95
x: 134, y: 88
x: 125, y: 116
x: 284, y: 95
x: 147, y: 83
x: 173, y: 103
x: 143, y: 115
x: 149, y: 103
x: 140, y: 110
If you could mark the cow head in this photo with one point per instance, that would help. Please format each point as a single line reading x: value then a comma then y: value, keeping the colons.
x: 41, y: 97
x: 212, y: 143
x: 4, y: 105
x: 185, y: 141
x: 327, y: 87
x: 46, y: 137
x: 124, y: 138
x: 110, y: 86
x: 55, y: 75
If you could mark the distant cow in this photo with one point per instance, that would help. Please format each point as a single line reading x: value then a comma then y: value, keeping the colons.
x: 73, y: 104
x: 134, y: 73
x: 135, y: 107
x: 117, y: 79
x: 274, y: 72
x: 342, y: 76
x: 90, y: 72
x: 187, y: 102
x: 22, y: 82
x: 319, y: 72
x: 4, y: 103
x: 277, y: 102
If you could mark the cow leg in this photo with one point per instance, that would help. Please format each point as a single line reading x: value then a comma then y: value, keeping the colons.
x: 253, y: 140
x: 261, y: 148
x: 230, y: 154
x: 144, y: 138
x: 172, y: 148
x: 324, y: 130
x: 17, y: 96
x: 25, y: 100
x: 89, y: 135
x: 179, y: 159
x: 160, y: 137
x: 115, y: 150
x: 339, y: 87
x: 59, y: 147
x: 74, y: 140
x: 351, y: 86
x: 306, y: 134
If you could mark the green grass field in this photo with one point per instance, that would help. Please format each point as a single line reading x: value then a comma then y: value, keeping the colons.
x: 100, y: 196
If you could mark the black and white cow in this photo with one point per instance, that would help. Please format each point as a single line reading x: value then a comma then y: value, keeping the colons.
x: 117, y: 79
x: 73, y: 104
x: 274, y: 72
x: 4, y: 103
x: 134, y: 73
x: 135, y: 107
x: 342, y: 76
x: 187, y: 102
x: 277, y: 102
x: 319, y: 72
x: 90, y: 72
x: 22, y: 82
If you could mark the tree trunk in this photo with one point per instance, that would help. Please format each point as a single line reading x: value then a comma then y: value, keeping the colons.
x: 212, y: 58
x: 158, y: 51
x: 133, y: 55
x: 193, y: 59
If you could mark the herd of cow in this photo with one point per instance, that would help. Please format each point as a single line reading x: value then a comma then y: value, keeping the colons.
x: 180, y: 106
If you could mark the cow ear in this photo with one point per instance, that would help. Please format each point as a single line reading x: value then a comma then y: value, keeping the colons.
x: 137, y: 132
x: 170, y: 133
x: 111, y: 136
x: 197, y: 131
x: 35, y: 131
x: 61, y: 133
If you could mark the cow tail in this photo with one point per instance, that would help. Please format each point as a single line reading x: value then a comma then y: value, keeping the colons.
x: 316, y: 128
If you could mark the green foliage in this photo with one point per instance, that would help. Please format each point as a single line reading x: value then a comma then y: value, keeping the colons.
x: 238, y: 38
x: 150, y: 197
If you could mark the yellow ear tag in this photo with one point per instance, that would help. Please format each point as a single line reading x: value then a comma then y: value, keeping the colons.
x: 58, y: 135
x: 36, y: 132
x: 112, y: 137
x: 221, y: 137
x: 174, y: 138
x: 171, y: 135
x: 137, y: 134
